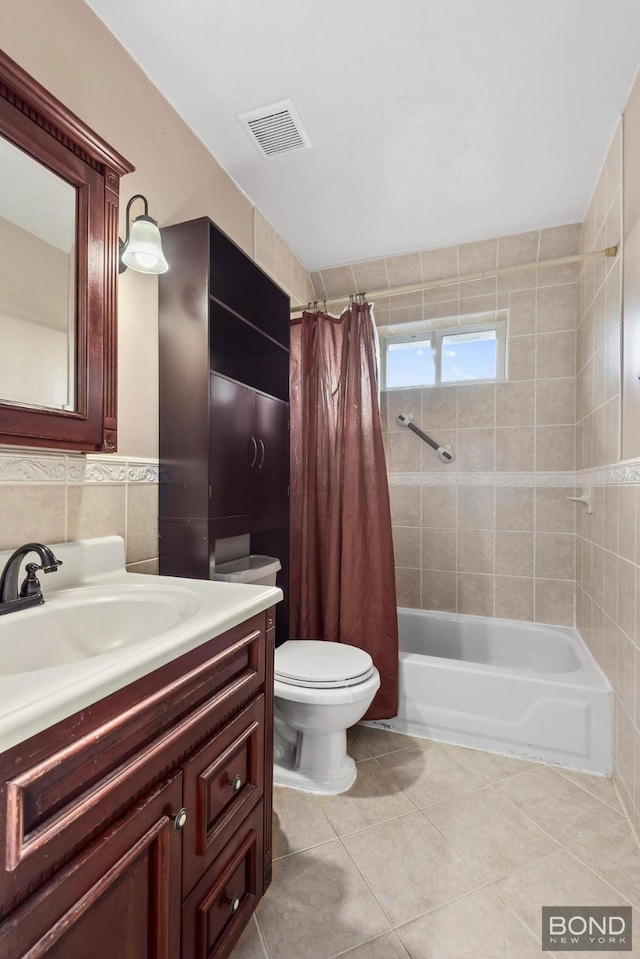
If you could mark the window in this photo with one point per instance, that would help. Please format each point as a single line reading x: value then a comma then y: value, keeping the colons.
x: 418, y: 357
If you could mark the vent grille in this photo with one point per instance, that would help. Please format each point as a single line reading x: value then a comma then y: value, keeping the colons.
x: 276, y: 129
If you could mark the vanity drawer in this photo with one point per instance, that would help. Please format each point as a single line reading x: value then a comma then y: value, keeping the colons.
x: 222, y: 782
x: 218, y: 908
x: 54, y: 799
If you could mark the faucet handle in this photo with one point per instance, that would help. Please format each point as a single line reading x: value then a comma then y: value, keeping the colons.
x: 31, y: 583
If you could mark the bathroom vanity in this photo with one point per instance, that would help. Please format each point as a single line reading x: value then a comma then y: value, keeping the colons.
x: 139, y: 825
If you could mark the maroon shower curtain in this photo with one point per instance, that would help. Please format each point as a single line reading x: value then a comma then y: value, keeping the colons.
x: 342, y: 568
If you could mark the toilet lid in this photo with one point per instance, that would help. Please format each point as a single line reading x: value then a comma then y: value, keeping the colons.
x: 318, y: 664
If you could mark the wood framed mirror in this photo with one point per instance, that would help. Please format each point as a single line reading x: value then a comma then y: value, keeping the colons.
x: 59, y: 265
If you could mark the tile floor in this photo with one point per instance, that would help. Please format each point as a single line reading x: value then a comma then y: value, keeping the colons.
x: 440, y: 852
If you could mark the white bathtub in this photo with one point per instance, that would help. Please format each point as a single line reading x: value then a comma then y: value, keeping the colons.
x: 507, y: 687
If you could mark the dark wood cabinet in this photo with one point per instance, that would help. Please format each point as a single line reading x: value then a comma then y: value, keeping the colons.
x: 96, y: 857
x: 224, y: 405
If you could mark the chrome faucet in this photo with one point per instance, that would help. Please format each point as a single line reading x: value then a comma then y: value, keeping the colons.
x: 30, y: 594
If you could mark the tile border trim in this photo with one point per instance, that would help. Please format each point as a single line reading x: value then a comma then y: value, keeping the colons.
x: 18, y: 466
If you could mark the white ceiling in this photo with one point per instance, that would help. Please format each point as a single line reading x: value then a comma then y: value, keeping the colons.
x: 431, y: 121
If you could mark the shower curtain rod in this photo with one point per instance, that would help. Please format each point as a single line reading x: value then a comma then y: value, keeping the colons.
x: 609, y: 251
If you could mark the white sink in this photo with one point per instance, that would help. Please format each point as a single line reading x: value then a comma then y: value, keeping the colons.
x: 78, y: 624
x: 101, y: 628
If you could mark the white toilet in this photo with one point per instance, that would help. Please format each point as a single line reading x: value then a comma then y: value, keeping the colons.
x: 321, y: 689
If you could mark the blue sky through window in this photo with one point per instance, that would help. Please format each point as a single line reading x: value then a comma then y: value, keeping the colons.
x: 468, y: 356
x: 410, y: 364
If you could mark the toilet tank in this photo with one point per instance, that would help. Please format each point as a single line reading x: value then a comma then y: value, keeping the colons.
x: 254, y: 569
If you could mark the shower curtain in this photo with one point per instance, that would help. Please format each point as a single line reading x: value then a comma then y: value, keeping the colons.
x: 342, y: 568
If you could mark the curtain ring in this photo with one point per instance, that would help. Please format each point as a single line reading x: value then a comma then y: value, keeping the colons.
x: 324, y: 306
x: 315, y: 306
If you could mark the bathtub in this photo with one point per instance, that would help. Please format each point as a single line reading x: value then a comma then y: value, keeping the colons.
x: 508, y: 687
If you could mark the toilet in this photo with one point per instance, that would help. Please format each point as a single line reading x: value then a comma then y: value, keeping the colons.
x: 321, y: 689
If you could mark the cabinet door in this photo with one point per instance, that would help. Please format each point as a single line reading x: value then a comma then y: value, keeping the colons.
x: 233, y: 451
x: 118, y: 898
x: 271, y: 502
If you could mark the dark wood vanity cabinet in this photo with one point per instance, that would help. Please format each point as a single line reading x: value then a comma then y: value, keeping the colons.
x: 141, y: 826
x: 224, y: 404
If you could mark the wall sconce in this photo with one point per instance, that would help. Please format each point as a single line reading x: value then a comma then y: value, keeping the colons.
x: 142, y: 246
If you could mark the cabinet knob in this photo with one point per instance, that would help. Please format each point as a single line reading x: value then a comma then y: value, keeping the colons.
x: 254, y: 445
x: 180, y: 819
x: 261, y: 463
x: 234, y: 904
x: 236, y: 783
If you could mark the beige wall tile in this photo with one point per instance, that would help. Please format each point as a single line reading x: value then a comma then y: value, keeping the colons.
x: 476, y: 405
x: 475, y: 450
x: 475, y: 551
x: 439, y: 408
x: 554, y: 512
x: 514, y: 509
x: 439, y: 264
x: 514, y: 598
x: 476, y: 508
x: 559, y: 241
x: 95, y: 510
x: 404, y: 453
x: 149, y: 567
x: 514, y: 553
x: 475, y: 594
x: 408, y: 587
x: 557, y: 308
x: 403, y: 401
x: 339, y: 281
x: 407, y: 546
x: 518, y: 248
x: 142, y: 522
x: 406, y: 505
x: 404, y: 269
x: 554, y: 602
x: 439, y: 506
x: 555, y: 553
x: 515, y: 449
x: 32, y: 513
x: 439, y: 549
x: 478, y: 257
x: 522, y: 312
x: 556, y: 401
x: 265, y: 240
x: 439, y: 590
x: 555, y: 448
x: 556, y: 354
x: 521, y: 357
x: 371, y: 275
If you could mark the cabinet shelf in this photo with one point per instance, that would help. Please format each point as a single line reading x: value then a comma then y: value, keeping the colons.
x: 239, y: 350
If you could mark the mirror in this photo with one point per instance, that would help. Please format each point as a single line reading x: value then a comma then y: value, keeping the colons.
x: 37, y: 291
x: 59, y: 255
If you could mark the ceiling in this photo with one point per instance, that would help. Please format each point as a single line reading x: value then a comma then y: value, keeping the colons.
x: 431, y: 121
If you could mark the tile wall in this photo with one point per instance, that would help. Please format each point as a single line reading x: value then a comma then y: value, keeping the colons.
x: 492, y: 533
x: 608, y: 540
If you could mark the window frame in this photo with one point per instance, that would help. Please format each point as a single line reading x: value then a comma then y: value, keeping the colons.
x: 436, y: 334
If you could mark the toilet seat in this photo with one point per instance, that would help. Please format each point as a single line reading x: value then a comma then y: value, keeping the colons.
x: 315, y: 664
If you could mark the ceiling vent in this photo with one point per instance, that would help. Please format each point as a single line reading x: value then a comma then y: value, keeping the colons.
x: 276, y: 129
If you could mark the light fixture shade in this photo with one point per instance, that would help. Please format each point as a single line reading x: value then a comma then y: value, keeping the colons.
x: 143, y: 252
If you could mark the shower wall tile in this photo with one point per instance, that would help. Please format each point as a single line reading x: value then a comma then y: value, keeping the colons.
x: 607, y: 548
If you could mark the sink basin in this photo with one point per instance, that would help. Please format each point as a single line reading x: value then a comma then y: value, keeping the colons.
x: 78, y: 624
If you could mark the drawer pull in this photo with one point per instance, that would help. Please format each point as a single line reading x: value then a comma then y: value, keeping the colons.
x: 180, y: 819
x: 236, y: 784
x: 234, y: 904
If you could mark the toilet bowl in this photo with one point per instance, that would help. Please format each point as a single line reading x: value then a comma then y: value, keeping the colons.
x: 321, y: 689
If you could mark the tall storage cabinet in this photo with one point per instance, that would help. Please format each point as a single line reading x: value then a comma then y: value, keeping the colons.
x: 224, y: 405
